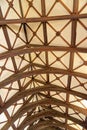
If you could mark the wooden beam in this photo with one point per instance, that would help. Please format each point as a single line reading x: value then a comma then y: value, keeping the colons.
x: 16, y: 52
x: 6, y: 35
x: 46, y: 113
x: 45, y: 124
x: 73, y: 44
x: 46, y: 70
x: 48, y: 101
x: 36, y: 90
x: 42, y: 19
x: 45, y: 35
x: 49, y: 123
x: 52, y: 101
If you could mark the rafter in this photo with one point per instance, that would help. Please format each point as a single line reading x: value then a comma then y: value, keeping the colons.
x: 9, y: 47
x: 16, y: 52
x: 42, y: 19
x: 48, y: 113
x: 48, y: 88
x: 71, y: 61
x: 38, y: 100
x: 52, y: 101
x: 49, y: 70
x: 44, y: 125
x: 42, y: 114
x: 43, y: 102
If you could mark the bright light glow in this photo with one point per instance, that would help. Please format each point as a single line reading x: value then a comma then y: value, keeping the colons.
x: 84, y: 102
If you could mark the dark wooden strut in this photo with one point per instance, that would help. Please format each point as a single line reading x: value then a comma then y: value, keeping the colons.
x: 46, y: 114
x: 43, y: 7
x: 36, y: 90
x: 47, y: 124
x: 42, y: 19
x: 48, y: 101
x: 25, y: 30
x: 9, y: 47
x: 47, y: 70
x: 29, y: 56
x: 44, y: 69
x: 44, y: 125
x: 4, y: 28
x: 71, y: 62
x: 16, y: 52
x: 85, y: 123
x: 25, y: 34
x: 38, y: 116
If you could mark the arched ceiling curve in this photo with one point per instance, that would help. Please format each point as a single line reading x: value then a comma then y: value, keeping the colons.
x: 43, y: 64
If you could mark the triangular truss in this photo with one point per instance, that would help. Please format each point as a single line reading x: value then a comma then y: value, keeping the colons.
x: 43, y: 64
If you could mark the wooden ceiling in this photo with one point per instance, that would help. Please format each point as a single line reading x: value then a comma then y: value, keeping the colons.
x: 43, y: 64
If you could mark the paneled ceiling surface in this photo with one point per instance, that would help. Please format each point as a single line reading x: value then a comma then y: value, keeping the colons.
x: 43, y: 64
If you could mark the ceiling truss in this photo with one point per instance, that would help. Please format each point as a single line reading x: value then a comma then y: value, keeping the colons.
x: 48, y: 92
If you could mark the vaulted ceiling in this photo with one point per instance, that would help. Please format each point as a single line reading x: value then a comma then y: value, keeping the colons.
x: 43, y: 64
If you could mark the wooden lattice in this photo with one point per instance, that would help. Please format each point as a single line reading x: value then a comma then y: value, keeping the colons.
x: 43, y: 64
